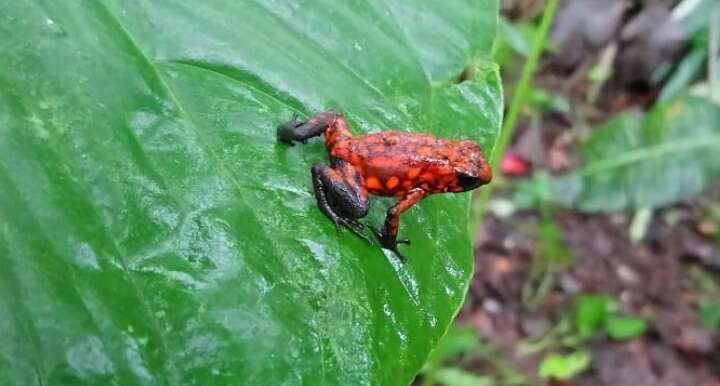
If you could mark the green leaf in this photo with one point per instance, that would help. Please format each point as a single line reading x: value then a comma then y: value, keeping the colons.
x: 624, y: 327
x: 453, y: 376
x: 541, y: 100
x: 687, y: 71
x: 552, y: 247
x: 564, y: 366
x: 636, y: 163
x: 598, y: 74
x: 509, y: 44
x: 709, y: 315
x: 153, y: 231
x: 534, y: 192
x: 590, y: 313
x: 693, y: 14
x: 457, y: 342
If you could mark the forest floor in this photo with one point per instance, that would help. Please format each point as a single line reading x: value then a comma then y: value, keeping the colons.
x: 663, y: 276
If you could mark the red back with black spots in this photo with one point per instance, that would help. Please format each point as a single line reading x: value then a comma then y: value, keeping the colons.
x: 393, y: 163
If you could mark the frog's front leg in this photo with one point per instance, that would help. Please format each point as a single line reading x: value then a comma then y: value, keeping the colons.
x: 299, y: 131
x: 388, y: 234
x: 340, y: 195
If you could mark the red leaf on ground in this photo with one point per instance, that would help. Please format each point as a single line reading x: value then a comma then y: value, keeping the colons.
x: 514, y: 166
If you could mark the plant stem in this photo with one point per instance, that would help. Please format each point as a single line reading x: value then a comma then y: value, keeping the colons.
x: 518, y: 100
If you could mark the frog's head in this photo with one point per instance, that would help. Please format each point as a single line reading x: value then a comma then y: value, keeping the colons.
x: 471, y: 168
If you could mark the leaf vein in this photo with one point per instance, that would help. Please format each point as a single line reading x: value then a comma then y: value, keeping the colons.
x: 638, y: 155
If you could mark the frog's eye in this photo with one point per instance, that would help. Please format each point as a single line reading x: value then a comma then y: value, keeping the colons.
x: 468, y: 182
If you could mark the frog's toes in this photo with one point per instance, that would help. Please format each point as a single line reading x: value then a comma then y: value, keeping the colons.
x: 353, y: 226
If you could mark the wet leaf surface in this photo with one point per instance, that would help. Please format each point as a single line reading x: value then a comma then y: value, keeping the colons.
x: 152, y: 231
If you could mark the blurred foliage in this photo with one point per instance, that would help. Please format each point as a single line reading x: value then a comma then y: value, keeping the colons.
x: 519, y: 96
x: 552, y: 247
x: 455, y: 376
x: 458, y: 342
x: 709, y: 315
x: 687, y: 70
x: 634, y: 162
x: 598, y: 74
x: 591, y: 312
x: 624, y: 327
x: 599, y: 313
x: 592, y: 316
x: 535, y: 192
x: 458, y: 350
x: 511, y: 44
x: 552, y: 254
x: 693, y: 14
x: 546, y: 101
x: 564, y: 366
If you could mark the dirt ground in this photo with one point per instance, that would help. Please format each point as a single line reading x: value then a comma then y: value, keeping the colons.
x: 662, y: 277
x: 658, y: 279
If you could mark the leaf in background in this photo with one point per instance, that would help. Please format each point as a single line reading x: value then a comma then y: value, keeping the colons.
x: 552, y: 247
x: 687, y: 71
x: 510, y: 43
x: 624, y: 327
x: 152, y: 230
x: 453, y: 376
x: 631, y: 163
x: 457, y: 342
x: 709, y: 315
x: 541, y: 100
x: 534, y: 192
x: 693, y: 14
x: 564, y: 366
x: 590, y: 313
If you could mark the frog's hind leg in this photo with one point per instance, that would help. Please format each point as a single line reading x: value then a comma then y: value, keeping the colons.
x: 341, y: 195
x: 299, y: 131
x: 388, y: 234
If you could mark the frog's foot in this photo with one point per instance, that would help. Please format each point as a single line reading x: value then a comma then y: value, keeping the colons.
x: 300, y: 131
x: 353, y: 226
x: 286, y: 129
x: 341, y: 202
x: 390, y: 242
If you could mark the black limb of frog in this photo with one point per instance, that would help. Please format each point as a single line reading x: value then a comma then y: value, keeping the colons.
x: 300, y: 131
x: 388, y: 234
x: 339, y: 197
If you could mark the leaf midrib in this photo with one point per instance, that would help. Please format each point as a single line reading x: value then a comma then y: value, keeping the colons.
x: 644, y: 153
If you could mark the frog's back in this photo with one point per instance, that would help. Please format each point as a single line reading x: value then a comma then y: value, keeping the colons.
x: 393, y: 162
x: 398, y: 144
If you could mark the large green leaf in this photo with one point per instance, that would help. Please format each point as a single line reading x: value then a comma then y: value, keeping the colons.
x: 152, y: 230
x: 671, y: 154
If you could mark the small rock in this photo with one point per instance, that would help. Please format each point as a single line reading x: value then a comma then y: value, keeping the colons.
x: 627, y: 274
x: 491, y: 306
x: 501, y: 207
x: 569, y: 284
x: 707, y: 227
x: 694, y: 339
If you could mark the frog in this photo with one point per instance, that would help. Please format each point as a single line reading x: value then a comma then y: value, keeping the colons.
x: 406, y: 165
